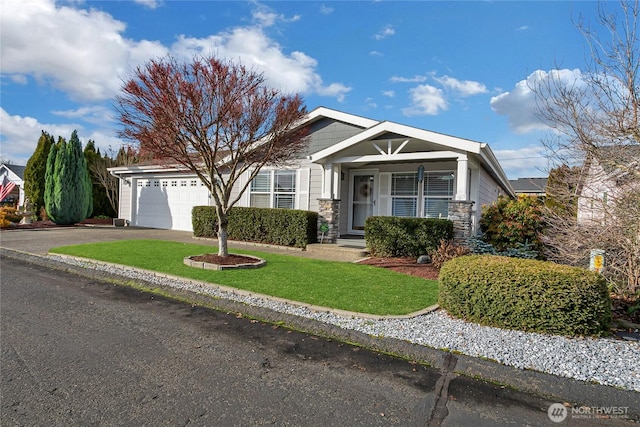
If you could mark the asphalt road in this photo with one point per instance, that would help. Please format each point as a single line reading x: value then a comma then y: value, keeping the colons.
x: 77, y: 351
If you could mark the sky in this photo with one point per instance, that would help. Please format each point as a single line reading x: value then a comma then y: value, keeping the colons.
x: 458, y: 68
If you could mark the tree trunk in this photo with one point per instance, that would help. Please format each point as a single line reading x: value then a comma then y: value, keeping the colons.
x: 223, y: 249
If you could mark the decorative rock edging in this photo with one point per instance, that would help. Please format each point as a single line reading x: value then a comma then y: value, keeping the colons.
x: 209, y: 266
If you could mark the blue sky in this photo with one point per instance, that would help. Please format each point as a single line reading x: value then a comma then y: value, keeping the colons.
x: 459, y: 68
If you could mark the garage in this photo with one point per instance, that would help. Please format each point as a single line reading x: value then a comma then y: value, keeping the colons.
x: 167, y: 202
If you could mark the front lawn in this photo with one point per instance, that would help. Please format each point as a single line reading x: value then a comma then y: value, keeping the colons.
x: 340, y: 285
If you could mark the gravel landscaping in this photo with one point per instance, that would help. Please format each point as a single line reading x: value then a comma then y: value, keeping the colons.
x: 606, y: 361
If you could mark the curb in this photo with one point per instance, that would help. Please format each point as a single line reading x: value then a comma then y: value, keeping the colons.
x: 576, y: 392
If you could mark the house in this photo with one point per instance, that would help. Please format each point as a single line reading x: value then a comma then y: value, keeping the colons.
x: 529, y: 186
x: 354, y: 168
x: 12, y: 185
x: 613, y: 174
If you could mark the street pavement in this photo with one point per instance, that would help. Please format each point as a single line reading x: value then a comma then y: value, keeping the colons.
x: 452, y: 393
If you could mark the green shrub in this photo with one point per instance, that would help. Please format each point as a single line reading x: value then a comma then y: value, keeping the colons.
x: 507, y: 222
x: 525, y: 294
x: 283, y: 227
x: 389, y: 236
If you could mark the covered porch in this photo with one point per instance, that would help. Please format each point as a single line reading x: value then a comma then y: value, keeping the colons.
x: 396, y: 170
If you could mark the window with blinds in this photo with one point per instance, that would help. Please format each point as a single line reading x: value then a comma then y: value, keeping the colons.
x: 274, y: 189
x: 404, y: 194
x: 437, y: 191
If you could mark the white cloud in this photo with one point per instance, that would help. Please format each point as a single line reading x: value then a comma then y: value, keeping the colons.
x: 462, y: 87
x: 519, y: 104
x: 96, y: 114
x: 523, y: 28
x: 387, y: 31
x: 376, y: 53
x: 337, y: 90
x: 251, y: 46
x: 414, y: 79
x: 325, y: 10
x: 151, y: 4
x: 523, y: 162
x: 20, y: 135
x: 81, y: 52
x: 426, y: 100
x: 264, y: 16
x: 389, y: 93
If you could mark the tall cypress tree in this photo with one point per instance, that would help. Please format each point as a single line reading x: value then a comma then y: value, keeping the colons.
x: 68, y: 196
x: 34, y: 172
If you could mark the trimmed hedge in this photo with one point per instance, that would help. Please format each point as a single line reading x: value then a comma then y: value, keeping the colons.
x: 525, y: 294
x: 390, y: 236
x: 283, y: 227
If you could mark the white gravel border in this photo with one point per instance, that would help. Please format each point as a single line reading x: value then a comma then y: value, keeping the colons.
x: 606, y: 361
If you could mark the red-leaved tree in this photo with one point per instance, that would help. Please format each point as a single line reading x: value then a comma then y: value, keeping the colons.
x: 216, y: 118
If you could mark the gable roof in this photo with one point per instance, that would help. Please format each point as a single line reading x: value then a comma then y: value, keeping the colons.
x: 529, y: 185
x: 17, y: 171
x: 448, y: 145
x: 324, y: 112
x: 382, y: 128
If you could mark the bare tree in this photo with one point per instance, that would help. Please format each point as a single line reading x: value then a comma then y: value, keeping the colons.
x: 217, y: 119
x: 99, y: 170
x: 595, y: 119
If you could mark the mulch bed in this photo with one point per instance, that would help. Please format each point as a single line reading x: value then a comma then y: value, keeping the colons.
x: 231, y: 259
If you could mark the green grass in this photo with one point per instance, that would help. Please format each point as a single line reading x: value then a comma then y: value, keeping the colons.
x: 339, y: 285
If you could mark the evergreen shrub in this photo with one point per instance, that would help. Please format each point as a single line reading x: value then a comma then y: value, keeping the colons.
x: 525, y: 294
x: 390, y: 236
x: 284, y: 227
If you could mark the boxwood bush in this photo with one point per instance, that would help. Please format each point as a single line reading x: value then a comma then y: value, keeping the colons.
x: 389, y: 236
x: 283, y: 227
x: 525, y: 294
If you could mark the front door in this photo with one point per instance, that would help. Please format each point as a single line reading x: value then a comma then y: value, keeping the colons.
x: 363, y: 199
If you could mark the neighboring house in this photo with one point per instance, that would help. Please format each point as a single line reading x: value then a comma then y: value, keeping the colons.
x: 606, y: 180
x: 12, y: 184
x: 529, y: 186
x: 354, y: 168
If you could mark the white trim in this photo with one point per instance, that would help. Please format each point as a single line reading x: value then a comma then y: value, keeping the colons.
x: 406, y: 131
x: 321, y: 112
x: 375, y: 196
x: 373, y: 158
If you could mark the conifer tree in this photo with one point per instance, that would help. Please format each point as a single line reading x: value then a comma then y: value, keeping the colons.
x: 34, y: 172
x: 68, y: 195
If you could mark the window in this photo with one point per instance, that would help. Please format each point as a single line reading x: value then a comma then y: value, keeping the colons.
x: 438, y: 190
x: 183, y: 183
x: 274, y: 189
x: 193, y: 183
x: 404, y: 194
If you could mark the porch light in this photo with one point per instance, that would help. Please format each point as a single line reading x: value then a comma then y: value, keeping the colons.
x: 420, y: 173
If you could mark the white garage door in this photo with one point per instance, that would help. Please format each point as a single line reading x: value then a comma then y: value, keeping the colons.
x: 167, y: 202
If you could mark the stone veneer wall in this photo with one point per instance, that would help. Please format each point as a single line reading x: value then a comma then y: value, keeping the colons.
x: 329, y: 213
x: 460, y: 213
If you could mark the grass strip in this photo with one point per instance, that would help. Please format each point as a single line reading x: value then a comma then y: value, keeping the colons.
x: 339, y: 285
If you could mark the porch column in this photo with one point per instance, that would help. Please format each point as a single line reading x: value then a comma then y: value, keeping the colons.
x: 327, y: 181
x: 462, y: 177
x: 328, y: 219
x: 460, y: 212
